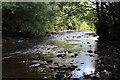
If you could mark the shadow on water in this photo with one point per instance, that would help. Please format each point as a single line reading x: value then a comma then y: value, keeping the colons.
x: 61, y: 56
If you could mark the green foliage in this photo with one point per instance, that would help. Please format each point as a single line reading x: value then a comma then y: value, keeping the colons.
x: 84, y: 26
x: 71, y: 15
x: 41, y: 17
x: 25, y: 17
x: 108, y: 14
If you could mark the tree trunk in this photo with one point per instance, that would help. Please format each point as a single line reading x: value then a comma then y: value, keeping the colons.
x: 102, y: 29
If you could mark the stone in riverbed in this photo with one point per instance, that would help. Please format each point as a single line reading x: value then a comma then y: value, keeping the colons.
x: 76, y: 54
x: 89, y: 51
x: 87, y: 76
x: 88, y: 42
x: 71, y: 68
x: 94, y: 78
x: 79, y: 37
x: 72, y: 56
x: 61, y: 55
x: 101, y: 58
x: 95, y: 52
x: 94, y: 35
x: 35, y: 65
x: 96, y: 60
x: 50, y: 61
x: 90, y: 45
x: 91, y: 55
x: 80, y: 45
x: 56, y: 64
x: 69, y: 52
x: 78, y: 69
x: 81, y: 63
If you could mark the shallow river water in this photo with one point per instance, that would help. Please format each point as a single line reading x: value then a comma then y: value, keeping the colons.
x: 58, y: 57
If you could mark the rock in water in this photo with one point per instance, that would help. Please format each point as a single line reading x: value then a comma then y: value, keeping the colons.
x: 69, y: 52
x: 50, y: 61
x: 76, y: 54
x: 34, y: 65
x: 89, y: 51
x: 19, y: 41
x: 88, y: 42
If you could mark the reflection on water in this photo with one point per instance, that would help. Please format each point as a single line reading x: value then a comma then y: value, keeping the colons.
x: 87, y: 67
x: 62, y: 55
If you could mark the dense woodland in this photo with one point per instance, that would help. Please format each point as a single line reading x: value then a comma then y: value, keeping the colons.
x: 39, y: 18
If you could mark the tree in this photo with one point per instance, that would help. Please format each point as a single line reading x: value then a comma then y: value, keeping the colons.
x: 39, y: 18
x: 25, y: 17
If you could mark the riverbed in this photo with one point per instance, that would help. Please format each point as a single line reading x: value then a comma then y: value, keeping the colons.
x: 69, y: 55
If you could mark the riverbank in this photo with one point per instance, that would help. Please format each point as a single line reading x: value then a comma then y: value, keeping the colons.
x: 107, y: 67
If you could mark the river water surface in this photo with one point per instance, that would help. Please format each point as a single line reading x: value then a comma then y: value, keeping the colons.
x: 60, y: 56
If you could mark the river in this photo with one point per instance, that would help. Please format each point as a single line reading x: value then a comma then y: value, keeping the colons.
x: 60, y: 56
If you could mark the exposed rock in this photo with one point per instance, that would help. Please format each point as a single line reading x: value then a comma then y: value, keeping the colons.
x: 89, y: 51
x: 50, y: 61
